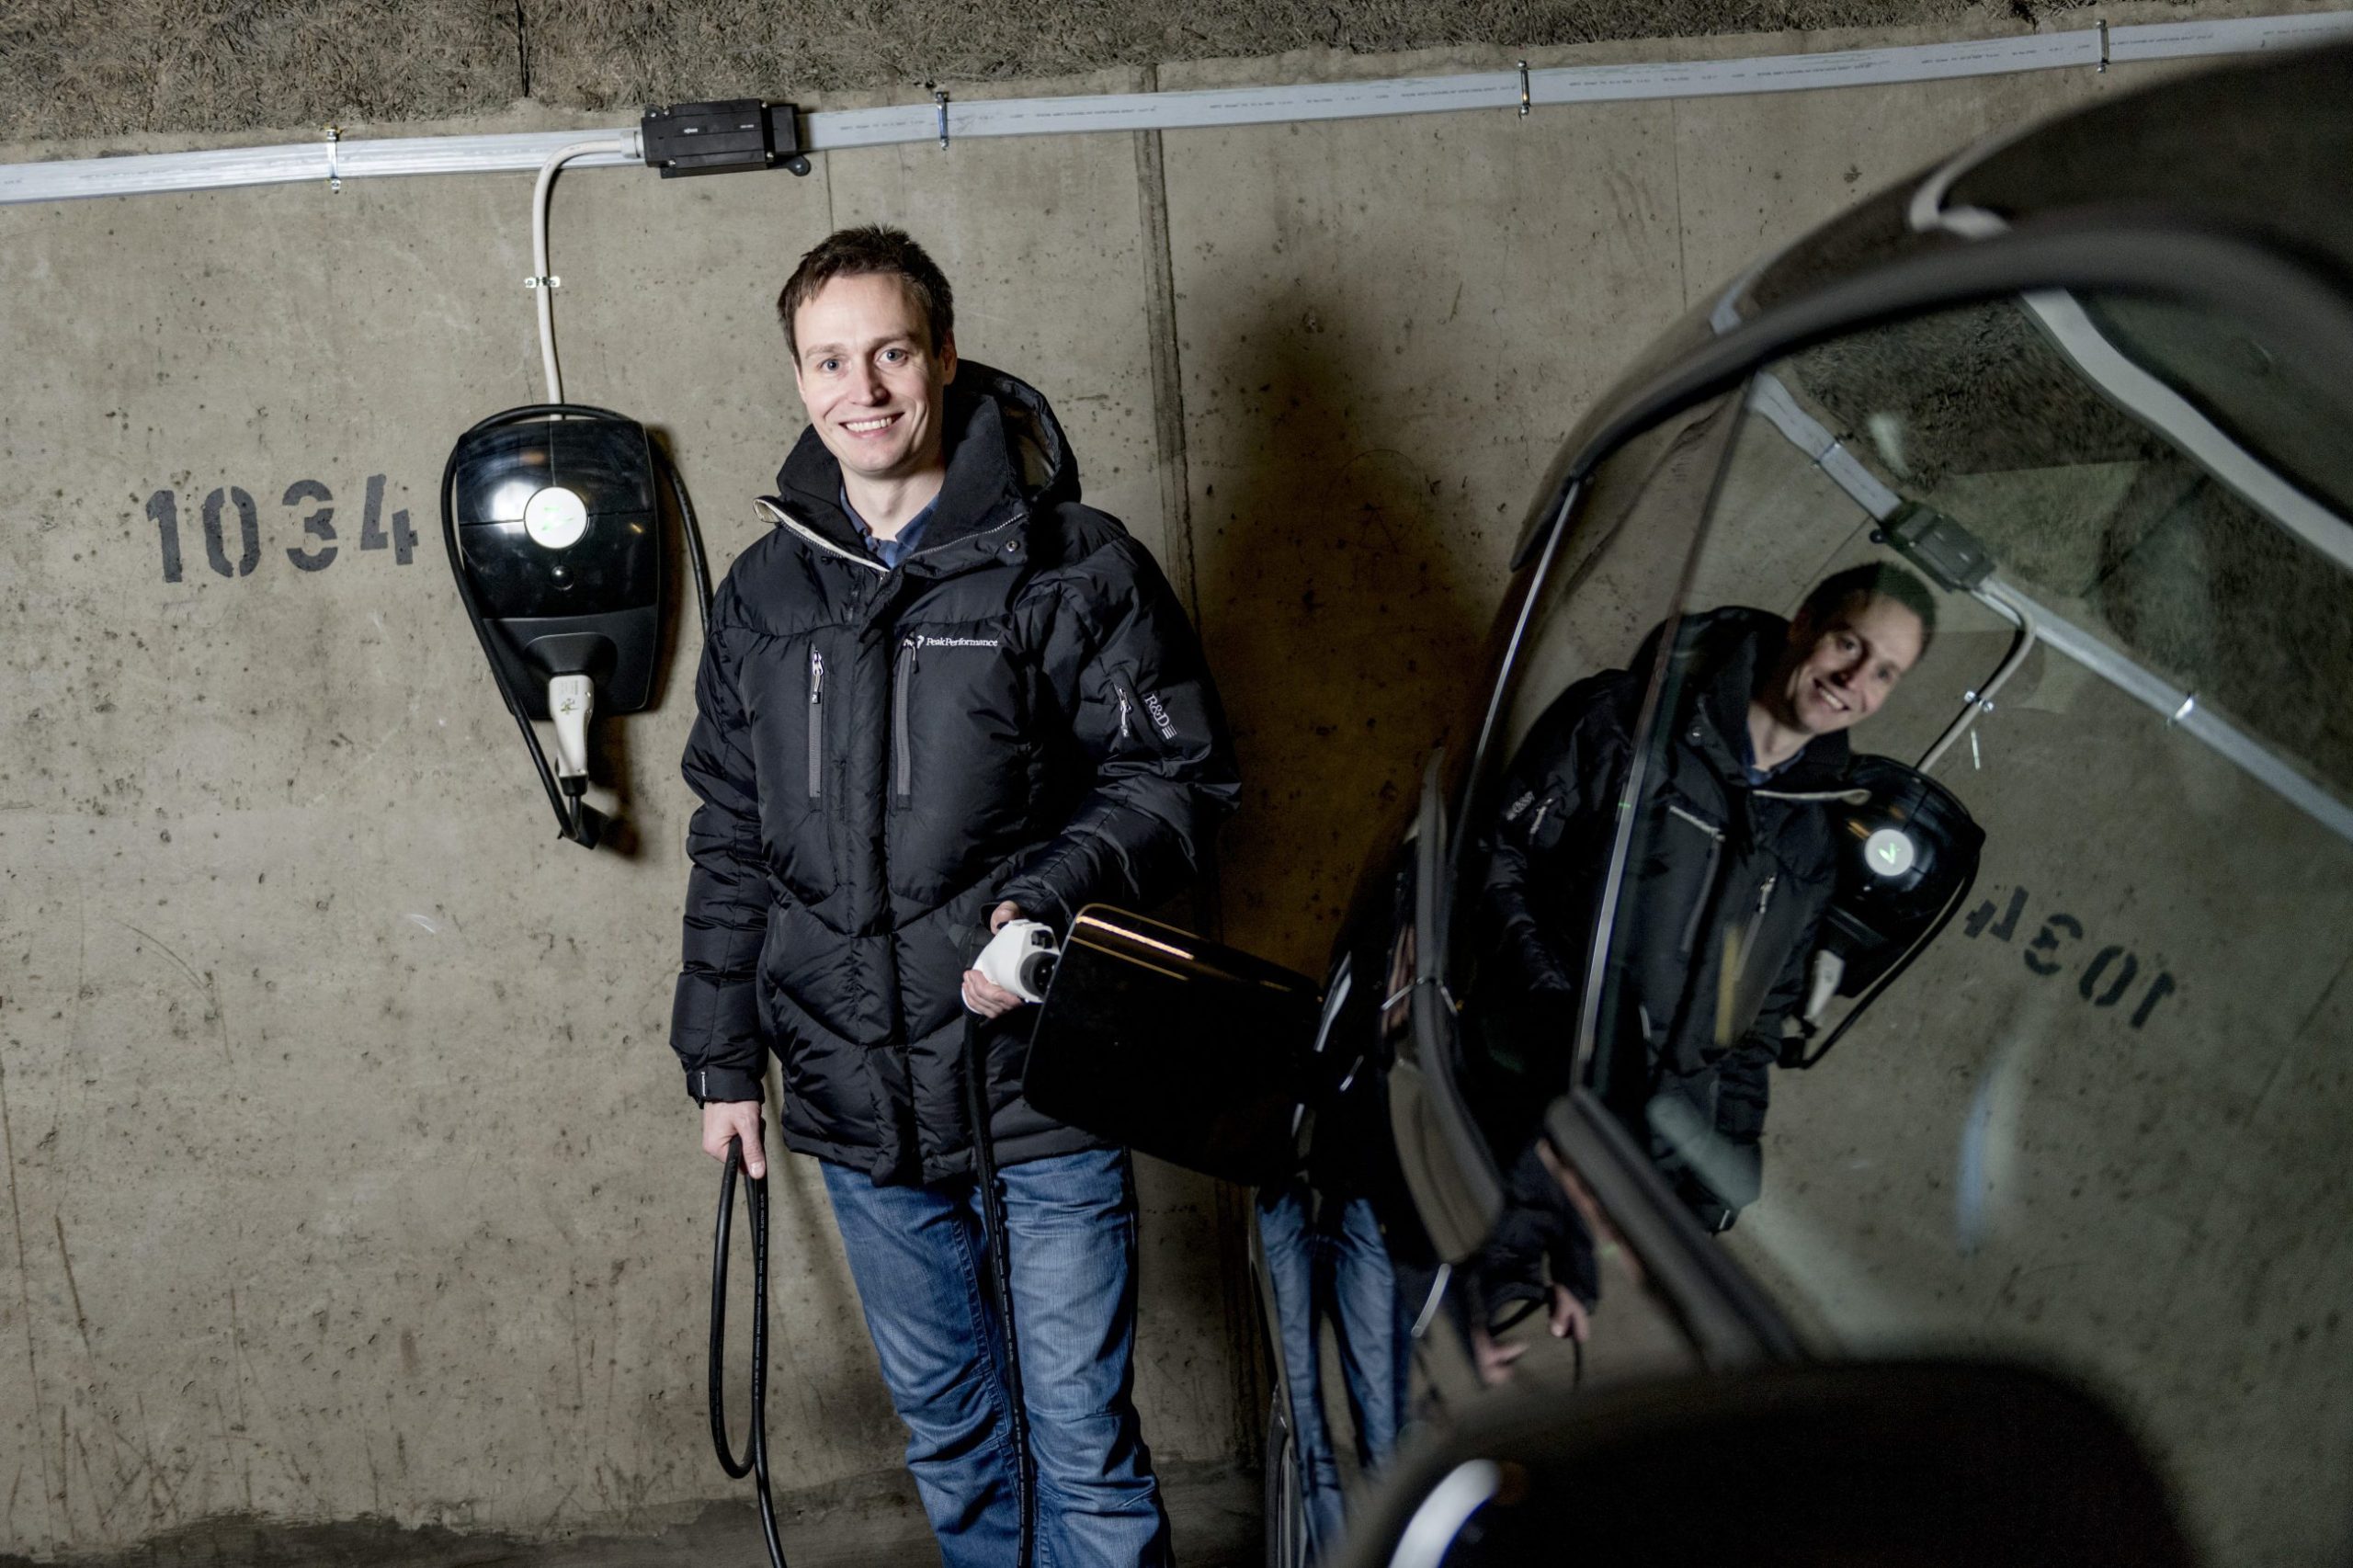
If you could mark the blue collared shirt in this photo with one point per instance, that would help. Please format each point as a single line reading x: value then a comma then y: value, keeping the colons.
x: 1761, y: 776
x: 890, y: 551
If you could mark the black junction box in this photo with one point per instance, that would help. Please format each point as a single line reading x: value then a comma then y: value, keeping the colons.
x: 720, y: 138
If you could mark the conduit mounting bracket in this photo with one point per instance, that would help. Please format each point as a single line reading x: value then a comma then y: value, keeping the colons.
x: 335, y: 174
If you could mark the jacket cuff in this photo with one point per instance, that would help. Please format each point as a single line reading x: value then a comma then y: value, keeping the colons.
x: 713, y: 1086
x: 1040, y: 901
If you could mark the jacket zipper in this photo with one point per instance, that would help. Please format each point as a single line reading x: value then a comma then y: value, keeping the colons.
x: 778, y: 514
x: 1737, y: 971
x: 1707, y: 877
x: 1126, y: 733
x: 816, y: 725
x: 902, y: 762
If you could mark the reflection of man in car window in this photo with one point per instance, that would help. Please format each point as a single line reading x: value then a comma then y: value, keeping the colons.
x: 1731, y: 867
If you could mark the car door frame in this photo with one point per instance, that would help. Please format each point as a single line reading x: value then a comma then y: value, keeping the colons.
x: 2234, y: 271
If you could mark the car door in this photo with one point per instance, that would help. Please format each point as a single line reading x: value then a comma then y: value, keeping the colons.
x: 2080, y: 1109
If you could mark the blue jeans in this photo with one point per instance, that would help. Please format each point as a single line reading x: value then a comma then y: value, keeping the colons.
x: 1334, y: 1266
x: 919, y: 1255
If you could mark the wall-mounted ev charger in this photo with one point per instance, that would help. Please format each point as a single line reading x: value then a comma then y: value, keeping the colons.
x: 552, y: 516
x: 552, y: 513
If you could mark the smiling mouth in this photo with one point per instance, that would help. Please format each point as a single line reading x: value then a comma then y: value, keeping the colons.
x: 1830, y: 698
x: 868, y: 427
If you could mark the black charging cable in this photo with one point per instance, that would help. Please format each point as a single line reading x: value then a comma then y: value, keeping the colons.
x: 755, y: 1462
x: 575, y: 818
x: 1000, y: 1262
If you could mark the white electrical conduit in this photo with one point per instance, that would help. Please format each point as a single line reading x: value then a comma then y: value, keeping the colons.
x: 1981, y: 701
x: 542, y: 281
x: 334, y: 159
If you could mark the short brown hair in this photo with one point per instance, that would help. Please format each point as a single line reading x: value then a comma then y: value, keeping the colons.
x: 871, y: 250
x: 1873, y: 580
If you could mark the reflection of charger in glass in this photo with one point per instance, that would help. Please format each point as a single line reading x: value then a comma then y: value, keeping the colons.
x: 1908, y: 855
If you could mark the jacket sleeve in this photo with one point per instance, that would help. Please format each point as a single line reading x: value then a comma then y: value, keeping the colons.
x: 1146, y: 720
x: 714, y: 1021
x: 1556, y: 789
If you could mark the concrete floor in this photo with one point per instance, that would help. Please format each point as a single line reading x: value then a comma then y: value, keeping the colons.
x: 868, y: 1522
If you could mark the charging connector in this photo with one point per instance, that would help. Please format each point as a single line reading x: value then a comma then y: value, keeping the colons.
x: 1021, y: 959
x: 572, y: 701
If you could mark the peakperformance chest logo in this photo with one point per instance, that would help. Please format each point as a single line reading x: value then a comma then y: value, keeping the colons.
x: 923, y: 641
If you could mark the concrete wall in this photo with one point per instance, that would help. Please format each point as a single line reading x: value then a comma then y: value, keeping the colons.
x: 349, y: 1176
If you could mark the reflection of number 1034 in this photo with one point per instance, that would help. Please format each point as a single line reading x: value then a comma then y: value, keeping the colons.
x: 2106, y: 979
x: 233, y: 528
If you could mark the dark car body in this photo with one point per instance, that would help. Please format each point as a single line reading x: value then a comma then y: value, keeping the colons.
x: 2086, y: 1121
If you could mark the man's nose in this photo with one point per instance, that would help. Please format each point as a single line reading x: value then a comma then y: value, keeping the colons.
x: 867, y: 386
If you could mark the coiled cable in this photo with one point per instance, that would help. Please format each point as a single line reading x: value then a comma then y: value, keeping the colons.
x: 755, y: 1461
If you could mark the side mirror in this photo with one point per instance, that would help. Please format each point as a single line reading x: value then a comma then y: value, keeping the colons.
x: 1935, y: 1464
x: 1194, y: 1052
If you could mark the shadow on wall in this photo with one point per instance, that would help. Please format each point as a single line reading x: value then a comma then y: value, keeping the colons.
x: 1338, y: 609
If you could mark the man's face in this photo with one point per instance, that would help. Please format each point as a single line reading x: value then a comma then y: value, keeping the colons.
x: 874, y: 389
x: 1839, y: 669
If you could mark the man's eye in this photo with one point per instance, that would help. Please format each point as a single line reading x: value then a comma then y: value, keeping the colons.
x: 829, y: 365
x: 894, y: 354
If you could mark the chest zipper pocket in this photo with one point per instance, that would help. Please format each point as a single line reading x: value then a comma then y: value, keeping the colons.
x: 903, y: 759
x: 816, y: 725
x: 1126, y: 709
x: 1707, y: 878
x: 1757, y: 926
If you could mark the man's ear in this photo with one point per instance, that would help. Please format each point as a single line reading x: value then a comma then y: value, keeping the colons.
x: 947, y: 358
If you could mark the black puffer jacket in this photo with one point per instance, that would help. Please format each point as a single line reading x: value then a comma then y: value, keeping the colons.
x: 1019, y: 711
x: 1727, y: 887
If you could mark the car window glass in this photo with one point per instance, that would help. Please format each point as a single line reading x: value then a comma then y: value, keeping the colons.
x: 1525, y: 1304
x: 2228, y: 374
x: 1613, y: 573
x: 2199, y: 556
x: 2076, y: 900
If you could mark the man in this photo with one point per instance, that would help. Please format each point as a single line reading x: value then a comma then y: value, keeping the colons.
x: 941, y: 694
x: 1732, y: 866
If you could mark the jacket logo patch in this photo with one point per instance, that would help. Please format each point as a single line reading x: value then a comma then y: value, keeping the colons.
x: 1160, y: 720
x: 923, y: 641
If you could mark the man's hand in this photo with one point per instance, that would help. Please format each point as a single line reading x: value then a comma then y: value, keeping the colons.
x: 1497, y: 1361
x: 1568, y: 1318
x: 987, y: 999
x: 723, y: 1120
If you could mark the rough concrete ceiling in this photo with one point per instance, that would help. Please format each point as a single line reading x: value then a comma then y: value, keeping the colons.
x: 80, y: 68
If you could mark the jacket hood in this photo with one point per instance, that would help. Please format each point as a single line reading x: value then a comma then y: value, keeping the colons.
x: 1007, y: 457
x: 1721, y: 655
